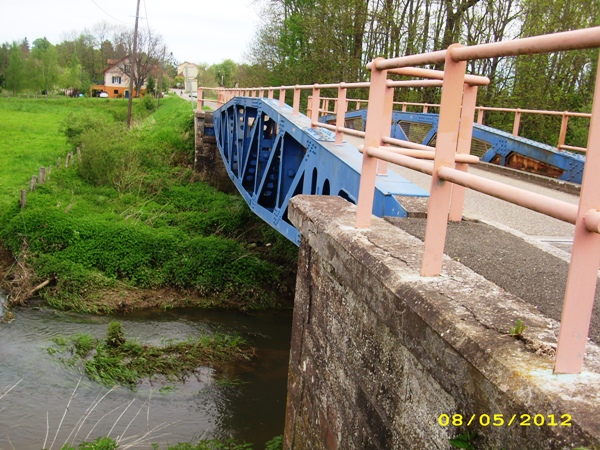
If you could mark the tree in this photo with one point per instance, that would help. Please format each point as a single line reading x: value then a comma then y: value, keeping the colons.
x: 148, y: 57
x: 207, y: 76
x: 4, y: 61
x: 73, y: 76
x: 44, y: 65
x: 225, y: 73
x: 561, y: 80
x: 15, y: 72
x: 151, y: 85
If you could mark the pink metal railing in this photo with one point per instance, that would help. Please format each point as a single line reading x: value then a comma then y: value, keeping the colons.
x: 518, y: 112
x: 457, y: 107
x: 447, y: 162
x: 325, y: 102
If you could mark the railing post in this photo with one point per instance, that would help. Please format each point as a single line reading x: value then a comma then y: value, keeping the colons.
x: 373, y: 133
x: 465, y: 134
x: 425, y: 108
x: 445, y: 150
x: 296, y: 104
x: 309, y: 106
x: 480, y: 116
x: 388, y: 110
x: 270, y: 94
x: 403, y: 106
x: 563, y: 131
x: 340, y: 118
x: 200, y: 98
x: 325, y: 107
x: 517, y: 122
x: 261, y: 93
x: 316, y: 103
x: 281, y: 96
x: 585, y: 259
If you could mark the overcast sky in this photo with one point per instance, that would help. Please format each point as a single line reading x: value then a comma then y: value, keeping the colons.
x: 194, y: 30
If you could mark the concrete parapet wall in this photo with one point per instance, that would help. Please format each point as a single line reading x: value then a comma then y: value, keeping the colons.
x: 379, y: 353
x: 207, y: 161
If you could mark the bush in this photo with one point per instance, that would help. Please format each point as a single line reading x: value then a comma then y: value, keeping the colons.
x: 147, y: 104
x: 76, y: 124
x: 110, y: 158
x: 114, y: 335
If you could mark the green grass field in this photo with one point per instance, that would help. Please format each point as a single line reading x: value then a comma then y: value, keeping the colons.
x: 30, y: 136
x: 130, y: 215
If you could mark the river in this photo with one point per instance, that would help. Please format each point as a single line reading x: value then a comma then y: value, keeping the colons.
x: 249, y: 405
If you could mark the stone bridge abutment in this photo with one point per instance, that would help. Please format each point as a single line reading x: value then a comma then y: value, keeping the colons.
x: 382, y: 358
x: 208, y: 163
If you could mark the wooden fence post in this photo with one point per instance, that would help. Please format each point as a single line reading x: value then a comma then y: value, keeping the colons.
x: 23, y: 201
x: 78, y: 155
x: 42, y: 176
x: 32, y: 183
x: 58, y: 163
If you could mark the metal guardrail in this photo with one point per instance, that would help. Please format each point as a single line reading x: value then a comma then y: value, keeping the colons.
x: 451, y: 158
x: 458, y: 107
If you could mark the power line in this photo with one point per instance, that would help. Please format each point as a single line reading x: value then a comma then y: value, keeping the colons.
x: 147, y: 21
x: 100, y: 8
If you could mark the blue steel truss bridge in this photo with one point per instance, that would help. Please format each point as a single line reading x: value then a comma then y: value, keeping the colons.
x: 272, y: 155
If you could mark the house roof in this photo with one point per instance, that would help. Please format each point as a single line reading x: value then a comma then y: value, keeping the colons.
x: 114, y: 62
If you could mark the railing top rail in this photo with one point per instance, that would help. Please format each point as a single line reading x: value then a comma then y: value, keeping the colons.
x: 566, y: 40
x: 415, y: 83
x: 474, y: 80
x: 536, y: 111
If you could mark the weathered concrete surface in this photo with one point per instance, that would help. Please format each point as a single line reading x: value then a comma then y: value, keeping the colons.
x: 513, y: 264
x: 207, y: 161
x: 379, y: 353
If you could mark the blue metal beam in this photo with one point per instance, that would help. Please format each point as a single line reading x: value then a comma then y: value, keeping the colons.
x: 492, y: 145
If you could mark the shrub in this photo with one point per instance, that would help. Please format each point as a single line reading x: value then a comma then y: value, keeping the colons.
x: 77, y: 123
x: 147, y: 104
x: 110, y: 158
x: 115, y: 336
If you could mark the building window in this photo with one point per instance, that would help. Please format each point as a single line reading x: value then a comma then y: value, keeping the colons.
x: 116, y: 92
x: 127, y: 68
x: 116, y: 80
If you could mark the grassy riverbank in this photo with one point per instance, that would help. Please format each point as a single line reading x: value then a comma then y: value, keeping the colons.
x: 128, y: 227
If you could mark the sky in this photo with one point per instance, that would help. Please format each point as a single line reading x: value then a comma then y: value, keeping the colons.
x: 197, y: 31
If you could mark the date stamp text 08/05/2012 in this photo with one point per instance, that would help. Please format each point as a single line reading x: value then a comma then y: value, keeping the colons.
x: 501, y: 420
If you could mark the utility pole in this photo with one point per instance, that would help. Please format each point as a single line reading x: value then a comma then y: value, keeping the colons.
x: 133, y: 63
x: 162, y: 69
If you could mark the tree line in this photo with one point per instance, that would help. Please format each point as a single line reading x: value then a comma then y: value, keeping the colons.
x: 79, y: 61
x: 327, y: 41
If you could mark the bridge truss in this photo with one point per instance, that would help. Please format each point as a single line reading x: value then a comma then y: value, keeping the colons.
x: 271, y: 154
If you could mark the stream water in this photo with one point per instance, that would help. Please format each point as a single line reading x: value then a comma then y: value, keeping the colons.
x: 48, y: 400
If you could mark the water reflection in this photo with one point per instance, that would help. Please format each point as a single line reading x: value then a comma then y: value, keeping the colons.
x: 248, y: 401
